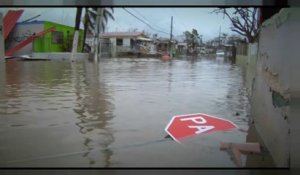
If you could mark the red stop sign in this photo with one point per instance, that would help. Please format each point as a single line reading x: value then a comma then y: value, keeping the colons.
x: 183, y: 126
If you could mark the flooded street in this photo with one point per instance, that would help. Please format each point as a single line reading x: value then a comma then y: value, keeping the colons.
x: 113, y: 113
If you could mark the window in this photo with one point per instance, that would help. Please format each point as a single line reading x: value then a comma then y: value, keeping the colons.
x: 57, y: 37
x: 119, y: 42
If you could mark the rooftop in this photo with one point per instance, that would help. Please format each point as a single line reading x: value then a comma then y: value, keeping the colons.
x: 30, y: 23
x: 121, y: 34
x: 41, y: 22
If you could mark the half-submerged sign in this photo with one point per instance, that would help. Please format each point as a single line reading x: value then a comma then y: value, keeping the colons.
x: 188, y: 125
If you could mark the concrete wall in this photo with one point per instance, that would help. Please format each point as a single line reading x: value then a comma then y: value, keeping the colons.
x: 248, y: 65
x: 21, y: 33
x: 2, y: 60
x: 117, y: 49
x: 241, y: 61
x: 1, y: 40
x: 251, y: 67
x: 60, y: 55
x: 126, y: 42
x: 272, y: 73
x: 278, y: 53
x: 294, y: 86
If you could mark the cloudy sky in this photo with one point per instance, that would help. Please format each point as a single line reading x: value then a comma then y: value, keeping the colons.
x: 206, y: 23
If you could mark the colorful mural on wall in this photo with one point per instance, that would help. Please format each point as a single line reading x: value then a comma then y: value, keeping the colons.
x: 59, y: 40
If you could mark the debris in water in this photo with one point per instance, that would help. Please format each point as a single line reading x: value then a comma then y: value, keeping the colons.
x: 238, y: 148
x: 183, y: 126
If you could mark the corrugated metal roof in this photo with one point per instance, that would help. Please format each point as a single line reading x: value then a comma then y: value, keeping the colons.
x: 10, y: 21
x: 144, y: 39
x: 121, y: 34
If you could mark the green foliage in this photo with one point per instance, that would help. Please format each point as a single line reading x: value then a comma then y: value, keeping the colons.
x: 91, y: 15
x: 192, y: 38
x: 233, y: 39
x: 90, y: 18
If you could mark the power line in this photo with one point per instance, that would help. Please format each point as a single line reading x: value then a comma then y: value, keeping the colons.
x: 118, y: 24
x: 141, y: 15
x: 145, y: 22
x: 176, y: 22
x: 181, y: 22
x: 147, y: 19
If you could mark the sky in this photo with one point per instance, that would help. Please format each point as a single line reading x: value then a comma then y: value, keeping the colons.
x: 206, y: 23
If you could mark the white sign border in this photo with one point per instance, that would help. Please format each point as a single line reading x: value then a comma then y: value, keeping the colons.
x: 176, y: 116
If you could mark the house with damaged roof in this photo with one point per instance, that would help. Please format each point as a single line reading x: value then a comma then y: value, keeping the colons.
x: 128, y: 43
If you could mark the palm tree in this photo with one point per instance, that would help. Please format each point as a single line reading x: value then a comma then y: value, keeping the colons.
x: 192, y: 38
x: 95, y: 21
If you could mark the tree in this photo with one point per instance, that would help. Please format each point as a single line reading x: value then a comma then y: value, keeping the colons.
x: 224, y: 37
x: 234, y: 39
x: 91, y: 20
x: 192, y: 38
x: 244, y: 21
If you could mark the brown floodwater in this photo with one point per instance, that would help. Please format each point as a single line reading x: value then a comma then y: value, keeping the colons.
x: 113, y: 113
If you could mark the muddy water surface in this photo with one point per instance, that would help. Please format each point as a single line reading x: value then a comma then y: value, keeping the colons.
x: 113, y: 113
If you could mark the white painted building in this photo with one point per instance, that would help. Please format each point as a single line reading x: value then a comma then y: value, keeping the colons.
x: 128, y: 42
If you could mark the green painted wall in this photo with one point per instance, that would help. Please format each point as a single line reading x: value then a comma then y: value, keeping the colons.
x: 45, y: 44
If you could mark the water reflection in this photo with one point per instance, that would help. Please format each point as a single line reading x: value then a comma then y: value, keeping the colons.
x: 39, y: 98
x: 85, y: 114
x: 13, y: 89
x: 169, y: 80
x: 94, y: 112
x: 34, y: 80
x: 220, y: 58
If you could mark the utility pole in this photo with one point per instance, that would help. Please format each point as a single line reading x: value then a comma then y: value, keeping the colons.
x: 171, y: 34
x: 220, y: 37
x: 97, y: 33
x: 101, y: 31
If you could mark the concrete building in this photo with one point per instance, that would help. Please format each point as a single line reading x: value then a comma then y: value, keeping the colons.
x: 182, y: 47
x: 59, y: 40
x: 272, y: 80
x: 163, y: 45
x: 128, y: 43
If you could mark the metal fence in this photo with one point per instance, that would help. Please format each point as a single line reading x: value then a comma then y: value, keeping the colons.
x: 106, y: 49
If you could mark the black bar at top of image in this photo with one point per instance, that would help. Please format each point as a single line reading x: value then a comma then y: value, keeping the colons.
x: 146, y: 3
